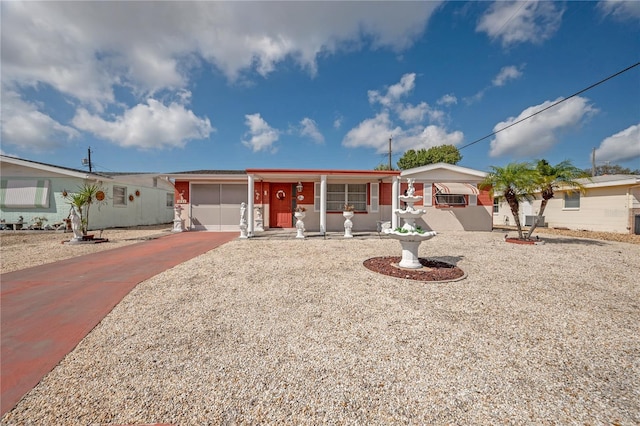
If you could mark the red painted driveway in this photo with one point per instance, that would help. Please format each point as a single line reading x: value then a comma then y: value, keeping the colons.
x: 46, y: 310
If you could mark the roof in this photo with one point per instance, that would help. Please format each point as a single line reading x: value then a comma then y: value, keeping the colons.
x: 83, y: 174
x: 315, y: 174
x: 445, y: 171
x: 209, y: 172
x: 207, y: 175
x: 610, y: 180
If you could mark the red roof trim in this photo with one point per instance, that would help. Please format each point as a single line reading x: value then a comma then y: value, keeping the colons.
x: 326, y: 172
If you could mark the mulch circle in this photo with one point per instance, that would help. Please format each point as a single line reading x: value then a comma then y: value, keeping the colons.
x: 432, y: 270
x: 524, y: 242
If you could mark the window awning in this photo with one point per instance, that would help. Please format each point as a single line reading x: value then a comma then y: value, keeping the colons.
x: 456, y: 188
x: 24, y: 193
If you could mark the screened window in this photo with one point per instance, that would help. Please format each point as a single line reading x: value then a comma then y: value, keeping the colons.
x: 169, y: 199
x: 451, y: 200
x: 496, y: 205
x: 119, y: 196
x: 339, y: 194
x: 572, y: 200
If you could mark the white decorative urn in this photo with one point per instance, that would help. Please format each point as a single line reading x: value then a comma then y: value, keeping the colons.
x: 299, y: 223
x: 348, y: 224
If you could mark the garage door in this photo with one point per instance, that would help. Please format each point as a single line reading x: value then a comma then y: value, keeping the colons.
x: 216, y: 207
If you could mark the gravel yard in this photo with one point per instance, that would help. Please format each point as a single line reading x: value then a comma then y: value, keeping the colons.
x: 300, y: 332
x: 23, y: 249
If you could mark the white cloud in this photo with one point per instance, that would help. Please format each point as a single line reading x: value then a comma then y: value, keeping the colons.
x: 372, y: 133
x: 337, y: 123
x: 375, y: 132
x: 408, y: 113
x: 146, y: 126
x: 434, y: 136
x: 85, y: 48
x: 412, y: 114
x: 310, y: 128
x: 506, y: 73
x: 539, y: 133
x: 394, y: 92
x: 621, y: 10
x: 89, y: 52
x: 260, y: 135
x: 520, y: 22
x: 23, y: 125
x: 426, y: 137
x: 623, y: 146
x: 447, y: 100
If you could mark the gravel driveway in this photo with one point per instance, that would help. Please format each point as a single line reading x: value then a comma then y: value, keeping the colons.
x: 299, y: 332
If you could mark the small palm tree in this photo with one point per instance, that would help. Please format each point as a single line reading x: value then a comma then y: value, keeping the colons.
x: 513, y: 183
x: 82, y: 200
x: 549, y: 178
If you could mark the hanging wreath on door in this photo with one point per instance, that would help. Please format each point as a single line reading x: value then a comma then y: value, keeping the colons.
x: 280, y: 195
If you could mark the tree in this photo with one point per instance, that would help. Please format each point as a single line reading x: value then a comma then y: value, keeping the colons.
x: 436, y: 154
x: 513, y: 183
x: 612, y: 169
x: 382, y: 166
x: 549, y: 178
x: 82, y: 200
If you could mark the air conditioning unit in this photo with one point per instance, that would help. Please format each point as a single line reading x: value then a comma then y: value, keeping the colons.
x: 530, y: 220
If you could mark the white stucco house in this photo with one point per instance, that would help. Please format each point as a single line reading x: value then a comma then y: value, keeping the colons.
x: 609, y: 203
x: 452, y: 198
x: 31, y: 189
x: 210, y: 199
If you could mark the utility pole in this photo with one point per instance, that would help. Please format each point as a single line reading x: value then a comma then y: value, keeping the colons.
x: 390, y: 137
x: 593, y: 162
x: 87, y: 161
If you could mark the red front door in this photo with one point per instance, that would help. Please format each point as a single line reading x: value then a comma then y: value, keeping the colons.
x: 280, y: 202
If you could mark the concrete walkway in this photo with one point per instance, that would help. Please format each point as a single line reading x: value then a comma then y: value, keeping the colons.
x: 47, y: 310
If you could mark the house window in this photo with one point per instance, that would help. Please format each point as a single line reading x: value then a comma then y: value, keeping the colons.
x: 572, y: 200
x: 169, y: 199
x: 496, y: 206
x: 451, y: 200
x: 339, y: 194
x: 24, y: 193
x: 456, y: 194
x: 119, y: 196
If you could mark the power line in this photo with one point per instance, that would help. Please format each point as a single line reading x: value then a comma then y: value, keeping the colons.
x: 550, y: 106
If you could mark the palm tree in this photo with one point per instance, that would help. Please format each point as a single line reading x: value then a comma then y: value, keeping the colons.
x: 513, y: 183
x: 549, y: 178
x: 82, y: 200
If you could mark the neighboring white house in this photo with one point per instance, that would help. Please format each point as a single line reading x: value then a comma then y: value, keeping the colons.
x: 609, y: 203
x: 30, y: 189
x: 452, y: 198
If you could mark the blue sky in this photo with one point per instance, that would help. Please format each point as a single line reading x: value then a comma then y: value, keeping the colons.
x: 176, y: 86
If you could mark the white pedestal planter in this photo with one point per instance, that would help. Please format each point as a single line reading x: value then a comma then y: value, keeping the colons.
x: 300, y: 224
x: 258, y: 222
x: 178, y: 223
x: 348, y: 224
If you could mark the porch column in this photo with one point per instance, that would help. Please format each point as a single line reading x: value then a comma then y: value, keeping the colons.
x: 323, y: 204
x: 250, y: 190
x: 395, y: 191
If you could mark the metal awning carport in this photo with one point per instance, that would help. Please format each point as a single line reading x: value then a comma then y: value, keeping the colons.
x: 456, y: 188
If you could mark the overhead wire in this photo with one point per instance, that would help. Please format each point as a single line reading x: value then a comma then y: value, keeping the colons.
x: 550, y: 106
